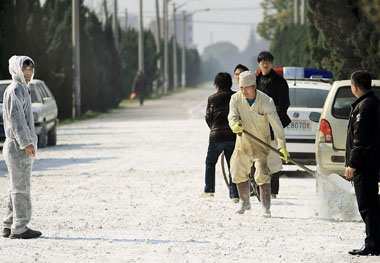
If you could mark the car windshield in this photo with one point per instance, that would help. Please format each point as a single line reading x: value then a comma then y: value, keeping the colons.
x: 343, y: 100
x: 2, y: 90
x: 35, y: 97
x: 307, y: 98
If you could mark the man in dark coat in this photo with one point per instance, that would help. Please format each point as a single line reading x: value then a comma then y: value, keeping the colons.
x: 221, y: 137
x: 362, y: 158
x: 276, y: 87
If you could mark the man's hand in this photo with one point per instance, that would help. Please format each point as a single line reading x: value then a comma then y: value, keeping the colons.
x: 30, y: 150
x: 238, y: 128
x: 349, y: 172
x: 285, y: 155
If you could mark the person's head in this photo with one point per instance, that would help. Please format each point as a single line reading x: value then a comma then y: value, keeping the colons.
x: 239, y: 69
x: 28, y: 70
x: 223, y: 81
x: 247, y: 84
x: 265, y: 62
x: 361, y: 81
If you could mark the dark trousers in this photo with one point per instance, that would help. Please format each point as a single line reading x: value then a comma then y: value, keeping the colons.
x: 366, y: 189
x: 213, y: 153
x: 275, y: 183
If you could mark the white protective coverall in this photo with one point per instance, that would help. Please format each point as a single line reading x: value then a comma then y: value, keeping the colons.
x: 255, y: 119
x: 19, y: 132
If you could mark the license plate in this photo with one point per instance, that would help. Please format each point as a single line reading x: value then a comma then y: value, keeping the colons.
x: 299, y: 125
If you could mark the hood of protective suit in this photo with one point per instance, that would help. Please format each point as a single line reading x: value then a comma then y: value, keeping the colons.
x: 15, y: 68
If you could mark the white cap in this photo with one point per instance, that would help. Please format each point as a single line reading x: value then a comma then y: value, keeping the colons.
x: 247, y: 78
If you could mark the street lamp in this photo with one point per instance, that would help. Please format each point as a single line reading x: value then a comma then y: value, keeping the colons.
x: 183, y: 80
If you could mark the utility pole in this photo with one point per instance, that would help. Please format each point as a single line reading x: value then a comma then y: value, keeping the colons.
x: 296, y: 11
x: 303, y: 12
x: 175, y: 76
x: 114, y: 25
x: 183, y: 75
x: 76, y: 60
x: 166, y: 53
x: 158, y: 82
x: 141, y: 39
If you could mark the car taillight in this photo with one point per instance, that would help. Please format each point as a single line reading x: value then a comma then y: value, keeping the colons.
x: 325, y: 134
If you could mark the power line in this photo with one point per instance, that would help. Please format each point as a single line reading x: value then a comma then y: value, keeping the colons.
x: 218, y: 22
x: 224, y: 23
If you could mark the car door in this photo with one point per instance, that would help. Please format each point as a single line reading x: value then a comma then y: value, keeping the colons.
x: 50, y: 108
x: 340, y: 112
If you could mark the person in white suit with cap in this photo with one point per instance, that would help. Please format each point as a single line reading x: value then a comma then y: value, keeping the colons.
x: 253, y: 111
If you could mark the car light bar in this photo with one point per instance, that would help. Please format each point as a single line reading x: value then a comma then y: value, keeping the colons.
x: 301, y: 73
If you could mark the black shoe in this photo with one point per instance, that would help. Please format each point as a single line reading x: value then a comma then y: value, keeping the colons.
x: 26, y: 235
x: 6, y: 232
x: 365, y: 251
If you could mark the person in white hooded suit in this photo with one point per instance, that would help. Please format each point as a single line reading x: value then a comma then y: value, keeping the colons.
x: 19, y: 147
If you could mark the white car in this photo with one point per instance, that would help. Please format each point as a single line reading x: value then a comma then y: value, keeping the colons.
x: 45, y: 112
x: 332, y: 128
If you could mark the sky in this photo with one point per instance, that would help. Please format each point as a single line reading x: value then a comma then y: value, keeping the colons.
x: 227, y: 20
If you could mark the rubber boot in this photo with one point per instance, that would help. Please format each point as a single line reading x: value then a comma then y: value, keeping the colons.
x: 265, y: 199
x: 243, y: 189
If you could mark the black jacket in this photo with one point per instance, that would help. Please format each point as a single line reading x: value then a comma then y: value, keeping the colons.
x: 217, y: 110
x: 363, y: 134
x: 277, y: 88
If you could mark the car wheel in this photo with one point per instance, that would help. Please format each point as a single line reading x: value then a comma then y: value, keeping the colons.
x: 52, y: 136
x: 43, y: 138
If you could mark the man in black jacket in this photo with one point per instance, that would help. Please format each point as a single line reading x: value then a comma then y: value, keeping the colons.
x: 362, y: 158
x: 221, y: 137
x: 276, y: 87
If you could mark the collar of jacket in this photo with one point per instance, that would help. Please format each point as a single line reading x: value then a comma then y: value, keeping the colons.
x: 220, y: 91
x: 368, y: 94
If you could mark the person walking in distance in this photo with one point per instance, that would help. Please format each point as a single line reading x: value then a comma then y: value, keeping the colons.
x: 363, y: 159
x: 19, y: 148
x: 221, y: 137
x: 276, y: 87
x: 253, y: 111
x: 139, y: 86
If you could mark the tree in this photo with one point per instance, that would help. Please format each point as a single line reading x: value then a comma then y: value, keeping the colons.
x: 193, y: 64
x: 128, y: 57
x: 59, y: 52
x: 290, y: 47
x: 226, y: 53
x: 7, y: 36
x: 347, y: 40
x: 277, y: 14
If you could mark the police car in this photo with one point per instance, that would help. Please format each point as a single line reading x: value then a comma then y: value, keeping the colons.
x: 308, y: 89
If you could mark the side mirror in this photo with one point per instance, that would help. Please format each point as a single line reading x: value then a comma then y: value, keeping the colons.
x: 46, y: 99
x: 315, y: 116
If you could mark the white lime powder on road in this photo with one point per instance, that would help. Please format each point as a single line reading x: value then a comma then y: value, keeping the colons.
x: 125, y: 187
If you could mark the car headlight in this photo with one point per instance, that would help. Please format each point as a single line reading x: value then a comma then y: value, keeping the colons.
x: 35, y: 116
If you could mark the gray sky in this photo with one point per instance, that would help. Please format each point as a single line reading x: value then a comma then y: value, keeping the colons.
x: 228, y: 20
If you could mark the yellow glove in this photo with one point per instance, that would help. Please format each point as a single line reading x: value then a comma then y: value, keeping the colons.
x: 237, y: 128
x: 285, y: 155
